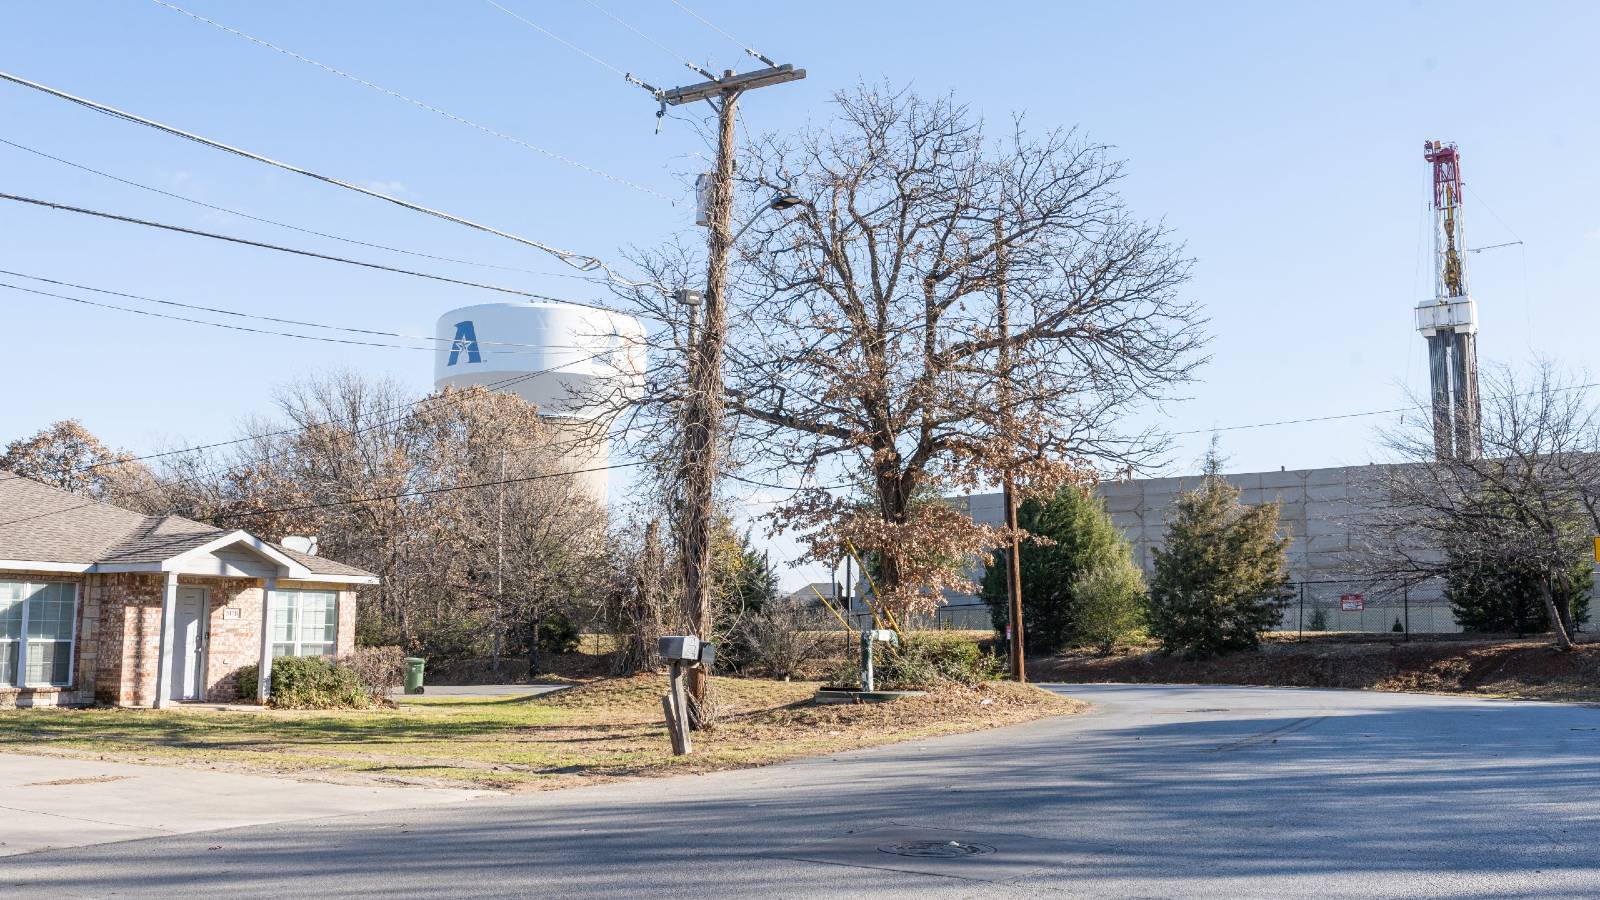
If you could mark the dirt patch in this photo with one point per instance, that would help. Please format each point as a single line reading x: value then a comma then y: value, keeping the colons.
x: 87, y: 779
x: 1527, y: 669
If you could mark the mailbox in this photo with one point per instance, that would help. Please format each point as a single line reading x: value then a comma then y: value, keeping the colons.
x: 708, y: 654
x: 682, y: 647
x: 881, y: 634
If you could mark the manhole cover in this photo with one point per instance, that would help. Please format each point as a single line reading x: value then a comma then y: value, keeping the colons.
x: 936, y: 849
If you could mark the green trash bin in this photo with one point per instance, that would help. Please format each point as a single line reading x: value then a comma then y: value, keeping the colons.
x: 414, y: 674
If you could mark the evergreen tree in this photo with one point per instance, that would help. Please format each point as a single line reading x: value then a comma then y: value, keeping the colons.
x: 1496, y: 598
x: 752, y: 584
x: 1220, y: 581
x: 1108, y: 603
x: 1079, y: 538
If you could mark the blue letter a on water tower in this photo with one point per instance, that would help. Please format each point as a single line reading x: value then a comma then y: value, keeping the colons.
x: 466, y: 339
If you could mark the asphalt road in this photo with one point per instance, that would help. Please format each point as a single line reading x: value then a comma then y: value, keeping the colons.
x: 1161, y: 792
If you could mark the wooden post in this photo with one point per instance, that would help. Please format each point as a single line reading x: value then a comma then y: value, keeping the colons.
x: 703, y: 413
x: 1019, y: 669
x: 674, y: 703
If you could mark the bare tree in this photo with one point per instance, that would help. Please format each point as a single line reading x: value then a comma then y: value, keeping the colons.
x: 1531, y: 502
x: 639, y: 601
x: 68, y: 456
x: 864, y: 333
x: 457, y: 500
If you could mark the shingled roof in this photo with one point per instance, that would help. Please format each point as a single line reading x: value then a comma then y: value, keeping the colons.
x: 40, y: 523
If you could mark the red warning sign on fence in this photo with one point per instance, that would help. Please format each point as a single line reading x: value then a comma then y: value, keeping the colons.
x: 1352, y: 602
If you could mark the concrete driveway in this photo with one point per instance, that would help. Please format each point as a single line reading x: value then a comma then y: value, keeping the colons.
x: 1161, y: 792
x: 484, y: 690
x: 51, y: 803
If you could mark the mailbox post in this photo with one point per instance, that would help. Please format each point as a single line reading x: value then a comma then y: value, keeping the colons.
x: 868, y: 638
x: 681, y: 652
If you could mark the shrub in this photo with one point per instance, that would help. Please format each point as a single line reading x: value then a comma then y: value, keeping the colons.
x: 924, y: 659
x: 1110, y: 605
x: 1319, y: 620
x: 381, y: 670
x: 247, y: 683
x: 778, y: 639
x: 1076, y: 535
x: 1494, y: 597
x: 1220, y: 582
x: 308, y: 682
x: 552, y: 632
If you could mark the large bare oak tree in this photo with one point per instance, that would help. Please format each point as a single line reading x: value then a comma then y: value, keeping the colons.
x: 867, y: 338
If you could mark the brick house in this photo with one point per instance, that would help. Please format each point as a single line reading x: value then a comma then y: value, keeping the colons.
x: 100, y: 604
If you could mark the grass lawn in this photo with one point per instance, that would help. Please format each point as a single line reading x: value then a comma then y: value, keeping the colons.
x: 602, y: 730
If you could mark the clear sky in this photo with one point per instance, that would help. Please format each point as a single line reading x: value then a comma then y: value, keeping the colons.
x: 1281, y: 141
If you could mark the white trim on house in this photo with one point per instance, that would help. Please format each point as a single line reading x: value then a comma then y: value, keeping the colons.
x: 28, y: 565
x: 291, y: 568
x: 337, y: 579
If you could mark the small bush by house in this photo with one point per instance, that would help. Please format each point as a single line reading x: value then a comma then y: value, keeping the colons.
x: 381, y: 670
x: 308, y: 682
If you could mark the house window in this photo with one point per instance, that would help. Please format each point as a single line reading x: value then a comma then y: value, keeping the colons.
x: 36, y: 632
x: 304, y: 623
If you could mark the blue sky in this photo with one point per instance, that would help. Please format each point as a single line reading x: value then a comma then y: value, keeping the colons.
x: 1280, y: 141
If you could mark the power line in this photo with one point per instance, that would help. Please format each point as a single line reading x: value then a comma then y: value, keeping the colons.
x: 299, y: 228
x: 274, y: 319
x: 418, y: 103
x: 678, y: 57
x: 713, y: 26
x: 245, y: 328
x: 581, y: 261
x: 282, y: 249
x: 334, y: 503
x: 422, y: 493
x: 433, y: 400
x: 558, y: 38
x: 1354, y: 415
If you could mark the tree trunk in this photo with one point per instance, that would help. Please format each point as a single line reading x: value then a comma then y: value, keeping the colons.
x: 535, y: 665
x: 1557, y: 622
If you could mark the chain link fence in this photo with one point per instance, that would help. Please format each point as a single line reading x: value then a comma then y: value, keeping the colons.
x: 949, y: 617
x: 1355, y: 607
x: 1315, y: 606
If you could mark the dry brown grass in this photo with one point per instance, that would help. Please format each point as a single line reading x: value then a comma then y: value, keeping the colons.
x: 598, y: 731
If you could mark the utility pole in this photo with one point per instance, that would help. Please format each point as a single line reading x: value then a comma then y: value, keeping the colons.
x: 703, y: 406
x: 1019, y: 672
x: 500, y: 563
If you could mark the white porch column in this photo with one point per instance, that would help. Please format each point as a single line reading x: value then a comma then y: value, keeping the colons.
x: 169, y: 602
x: 264, y: 667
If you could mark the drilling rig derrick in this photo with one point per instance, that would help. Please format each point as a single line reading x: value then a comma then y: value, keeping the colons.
x: 1449, y: 321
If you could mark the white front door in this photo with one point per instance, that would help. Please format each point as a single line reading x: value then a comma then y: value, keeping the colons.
x: 188, y: 644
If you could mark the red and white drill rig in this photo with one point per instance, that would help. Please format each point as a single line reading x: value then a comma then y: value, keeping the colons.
x: 1449, y: 321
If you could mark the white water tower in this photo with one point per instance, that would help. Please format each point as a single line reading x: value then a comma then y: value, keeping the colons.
x: 557, y: 356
